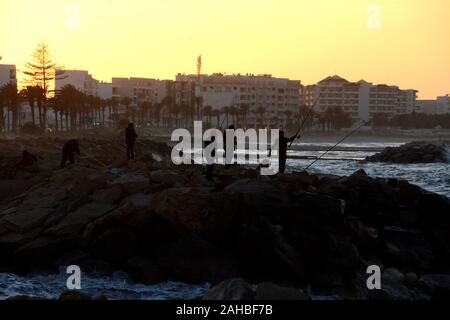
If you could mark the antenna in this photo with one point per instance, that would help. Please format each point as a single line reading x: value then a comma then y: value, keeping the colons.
x: 199, y: 66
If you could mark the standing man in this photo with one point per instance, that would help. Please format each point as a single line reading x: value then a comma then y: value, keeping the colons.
x: 231, y: 155
x: 282, y: 152
x: 68, y: 150
x: 130, y: 139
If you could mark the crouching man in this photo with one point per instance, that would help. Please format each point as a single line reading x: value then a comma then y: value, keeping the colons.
x: 69, y: 149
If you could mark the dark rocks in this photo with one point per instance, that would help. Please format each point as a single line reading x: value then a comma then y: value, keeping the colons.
x: 109, y: 195
x: 196, y: 211
x: 115, y: 245
x: 265, y: 253
x: 437, y: 285
x: 414, y: 152
x: 41, y: 251
x: 406, y: 248
x: 159, y: 222
x: 145, y: 271
x: 271, y: 291
x: 235, y: 289
x: 195, y: 260
x: 73, y: 295
x: 259, y: 197
x: 133, y: 183
x: 77, y: 220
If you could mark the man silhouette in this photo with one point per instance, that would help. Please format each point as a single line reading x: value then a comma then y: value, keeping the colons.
x: 130, y: 139
x: 68, y: 150
x: 282, y: 152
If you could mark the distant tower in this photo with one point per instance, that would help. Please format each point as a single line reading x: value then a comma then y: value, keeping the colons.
x: 199, y: 67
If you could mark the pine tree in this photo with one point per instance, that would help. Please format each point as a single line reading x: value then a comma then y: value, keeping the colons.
x: 41, y: 72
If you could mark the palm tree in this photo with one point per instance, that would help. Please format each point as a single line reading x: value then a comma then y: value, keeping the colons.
x: 126, y: 101
x: 207, y: 111
x: 216, y: 113
x: 226, y: 111
x: 261, y: 111
x: 29, y: 94
x: 199, y: 104
x: 234, y: 112
x: 53, y: 104
x: 244, y: 109
x: 73, y: 101
x: 2, y: 100
x: 11, y: 97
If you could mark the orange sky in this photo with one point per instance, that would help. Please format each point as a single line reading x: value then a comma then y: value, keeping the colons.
x: 300, y: 39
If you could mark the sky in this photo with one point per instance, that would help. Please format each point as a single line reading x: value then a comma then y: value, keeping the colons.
x: 401, y: 42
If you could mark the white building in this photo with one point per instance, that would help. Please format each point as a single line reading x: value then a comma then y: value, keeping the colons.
x: 439, y: 106
x: 7, y: 74
x: 362, y: 99
x: 80, y: 79
x: 270, y: 101
x: 140, y: 90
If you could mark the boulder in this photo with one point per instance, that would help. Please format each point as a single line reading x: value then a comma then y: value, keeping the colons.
x: 115, y: 245
x: 270, y: 291
x: 196, y: 211
x: 145, y: 271
x: 42, y: 251
x: 234, y: 289
x: 25, y: 219
x: 195, y: 260
x: 392, y: 275
x: 108, y: 195
x: 413, y: 152
x: 265, y: 254
x: 391, y: 290
x: 76, y: 221
x: 434, y: 282
x: 406, y: 248
x: 73, y: 295
x: 166, y: 176
x: 256, y: 197
x: 132, y: 183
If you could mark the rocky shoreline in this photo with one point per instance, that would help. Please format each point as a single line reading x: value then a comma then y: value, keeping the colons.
x: 413, y: 152
x: 292, y: 235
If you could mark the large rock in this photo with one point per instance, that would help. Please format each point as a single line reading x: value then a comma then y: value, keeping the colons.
x: 76, y: 221
x: 166, y: 176
x: 41, y: 251
x: 25, y: 219
x: 108, y: 195
x: 435, y: 284
x: 413, y: 152
x: 133, y: 183
x: 195, y: 260
x: 115, y: 245
x: 270, y: 291
x: 234, y: 289
x: 265, y: 253
x: 196, y: 211
x: 407, y: 249
x: 145, y: 271
x: 259, y: 197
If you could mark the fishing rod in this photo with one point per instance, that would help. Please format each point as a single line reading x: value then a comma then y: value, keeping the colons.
x: 309, y: 113
x: 340, y: 141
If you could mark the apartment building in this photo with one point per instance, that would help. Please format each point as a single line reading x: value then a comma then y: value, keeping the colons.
x: 82, y: 80
x: 269, y: 100
x: 361, y: 100
x: 441, y: 105
x: 7, y: 74
x: 141, y: 90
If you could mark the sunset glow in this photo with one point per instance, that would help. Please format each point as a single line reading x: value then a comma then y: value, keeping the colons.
x: 305, y: 40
